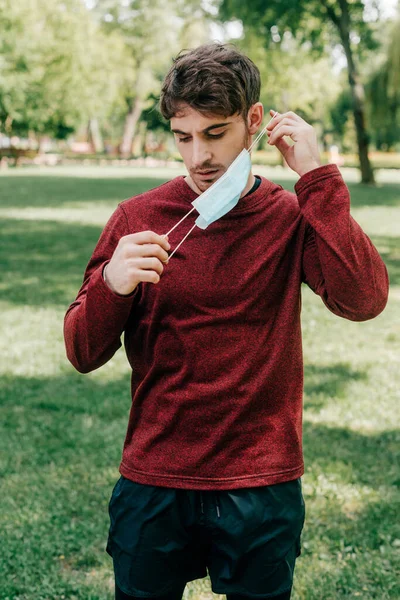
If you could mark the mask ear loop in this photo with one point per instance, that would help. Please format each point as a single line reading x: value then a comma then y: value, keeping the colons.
x: 181, y: 242
x: 258, y: 138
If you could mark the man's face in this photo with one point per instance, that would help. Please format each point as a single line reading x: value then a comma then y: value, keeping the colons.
x: 208, y: 145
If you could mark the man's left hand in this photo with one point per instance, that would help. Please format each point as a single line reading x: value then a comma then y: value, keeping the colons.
x: 303, y: 155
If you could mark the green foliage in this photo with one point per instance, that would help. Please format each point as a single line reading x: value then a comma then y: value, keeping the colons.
x: 312, y: 21
x: 152, y: 116
x: 284, y: 67
x: 324, y: 25
x: 153, y: 33
x: 383, y: 90
x: 150, y: 32
x: 57, y: 67
x: 341, y: 110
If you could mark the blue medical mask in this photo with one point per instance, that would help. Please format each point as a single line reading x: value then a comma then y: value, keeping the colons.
x: 223, y: 195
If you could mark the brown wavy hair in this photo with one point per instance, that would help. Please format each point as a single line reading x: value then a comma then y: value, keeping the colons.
x: 212, y: 79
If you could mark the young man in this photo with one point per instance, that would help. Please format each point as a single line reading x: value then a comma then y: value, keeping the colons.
x: 212, y: 461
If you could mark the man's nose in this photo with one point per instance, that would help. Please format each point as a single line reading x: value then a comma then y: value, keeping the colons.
x: 201, y: 154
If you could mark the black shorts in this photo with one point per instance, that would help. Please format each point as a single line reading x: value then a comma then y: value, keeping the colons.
x: 247, y: 538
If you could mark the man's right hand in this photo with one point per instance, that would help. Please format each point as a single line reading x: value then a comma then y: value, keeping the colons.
x: 138, y: 257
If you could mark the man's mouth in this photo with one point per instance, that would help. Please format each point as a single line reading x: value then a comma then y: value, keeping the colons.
x: 207, y: 174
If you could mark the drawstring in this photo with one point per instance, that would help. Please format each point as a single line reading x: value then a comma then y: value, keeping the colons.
x: 181, y: 242
x: 217, y: 506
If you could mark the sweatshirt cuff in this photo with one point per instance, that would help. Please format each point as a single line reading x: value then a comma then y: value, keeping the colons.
x: 315, y: 176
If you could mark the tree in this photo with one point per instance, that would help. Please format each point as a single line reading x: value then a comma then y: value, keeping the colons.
x: 322, y: 23
x: 383, y: 90
x: 284, y: 67
x: 150, y: 33
x: 57, y: 69
x: 154, y: 31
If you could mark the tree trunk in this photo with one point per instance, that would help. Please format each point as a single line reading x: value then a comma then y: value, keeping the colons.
x: 358, y: 95
x: 95, y: 135
x: 131, y: 121
x: 8, y: 125
x: 138, y: 140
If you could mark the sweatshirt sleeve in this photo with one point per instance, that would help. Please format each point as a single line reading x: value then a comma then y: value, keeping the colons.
x: 94, y: 322
x: 340, y: 263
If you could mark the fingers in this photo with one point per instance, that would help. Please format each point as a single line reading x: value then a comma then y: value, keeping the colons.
x: 131, y: 250
x: 147, y: 276
x: 278, y: 117
x: 147, y: 264
x: 283, y: 121
x: 138, y: 257
x: 154, y: 250
x: 148, y: 237
x: 274, y: 115
x: 145, y: 243
x: 285, y: 129
x: 282, y: 146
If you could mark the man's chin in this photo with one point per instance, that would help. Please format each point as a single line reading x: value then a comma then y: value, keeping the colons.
x: 204, y: 183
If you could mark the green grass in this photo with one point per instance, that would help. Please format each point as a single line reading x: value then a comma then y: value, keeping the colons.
x: 61, y: 433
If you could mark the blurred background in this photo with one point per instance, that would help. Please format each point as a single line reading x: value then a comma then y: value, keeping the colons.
x: 79, y: 133
x: 81, y: 78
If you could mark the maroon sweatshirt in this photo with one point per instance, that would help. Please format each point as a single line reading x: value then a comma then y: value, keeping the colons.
x: 215, y: 347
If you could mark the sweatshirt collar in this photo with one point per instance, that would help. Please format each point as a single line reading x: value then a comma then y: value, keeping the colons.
x: 245, y: 203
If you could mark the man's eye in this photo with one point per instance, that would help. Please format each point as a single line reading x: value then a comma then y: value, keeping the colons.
x: 216, y: 136
x: 186, y: 139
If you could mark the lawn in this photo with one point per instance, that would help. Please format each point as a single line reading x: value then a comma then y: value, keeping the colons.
x: 61, y: 433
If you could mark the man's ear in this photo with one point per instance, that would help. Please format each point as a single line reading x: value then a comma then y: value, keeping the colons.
x: 255, y: 117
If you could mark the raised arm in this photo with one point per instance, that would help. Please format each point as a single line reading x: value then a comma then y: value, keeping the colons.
x: 340, y: 263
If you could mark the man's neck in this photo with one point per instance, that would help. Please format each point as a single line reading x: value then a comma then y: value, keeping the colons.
x: 250, y: 182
